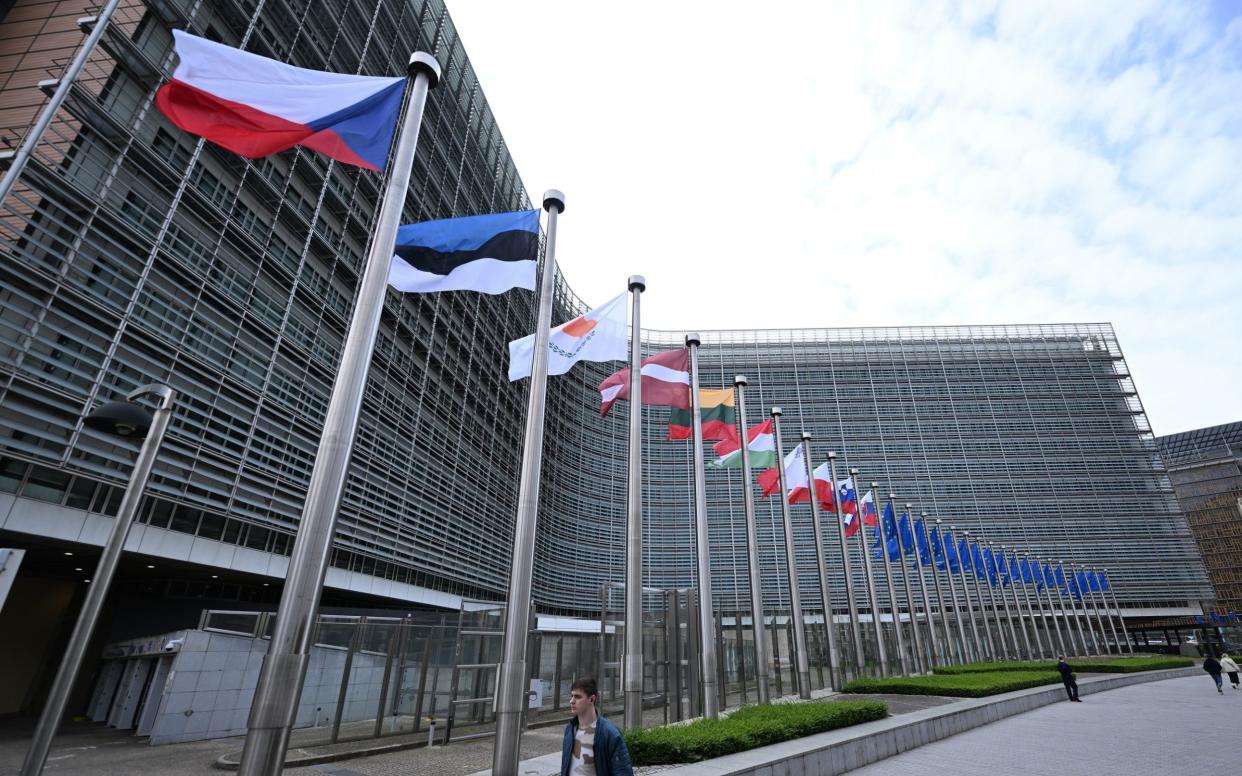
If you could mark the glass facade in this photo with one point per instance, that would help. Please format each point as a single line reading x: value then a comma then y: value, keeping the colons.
x: 1205, y: 466
x: 134, y: 253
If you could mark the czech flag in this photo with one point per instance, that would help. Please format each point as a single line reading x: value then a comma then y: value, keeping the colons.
x: 255, y: 106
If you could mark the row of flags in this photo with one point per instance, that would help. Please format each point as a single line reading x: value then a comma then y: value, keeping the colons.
x: 256, y: 106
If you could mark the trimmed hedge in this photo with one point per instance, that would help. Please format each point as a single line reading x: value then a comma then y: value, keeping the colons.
x: 967, y: 685
x: 1121, y: 665
x: 746, y: 728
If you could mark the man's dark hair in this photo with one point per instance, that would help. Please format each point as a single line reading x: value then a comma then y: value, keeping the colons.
x: 587, y: 685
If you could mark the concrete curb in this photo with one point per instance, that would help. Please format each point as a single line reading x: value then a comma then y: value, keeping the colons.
x: 841, y: 751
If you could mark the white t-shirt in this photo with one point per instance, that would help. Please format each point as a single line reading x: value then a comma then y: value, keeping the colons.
x: 582, y: 759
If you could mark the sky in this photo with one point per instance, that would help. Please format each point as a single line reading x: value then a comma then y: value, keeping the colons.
x: 783, y: 164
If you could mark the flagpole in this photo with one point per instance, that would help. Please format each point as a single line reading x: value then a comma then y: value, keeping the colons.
x: 275, y: 701
x: 936, y: 652
x: 1052, y: 609
x: 881, y: 649
x: 1024, y: 621
x: 1082, y: 637
x: 902, y: 662
x: 1086, y: 612
x: 996, y: 612
x: 988, y: 644
x: 632, y: 660
x: 1108, y: 616
x: 763, y: 672
x: 950, y: 654
x: 919, y: 657
x: 1080, y: 577
x: 1002, y: 574
x: 962, y: 652
x: 707, y: 630
x: 821, y: 567
x: 979, y: 646
x: 1030, y: 608
x: 846, y: 568
x: 511, y: 680
x: 1120, y: 619
x: 791, y: 561
x: 25, y: 149
x: 1096, y: 599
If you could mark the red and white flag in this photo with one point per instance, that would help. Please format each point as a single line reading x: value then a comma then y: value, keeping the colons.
x: 665, y: 381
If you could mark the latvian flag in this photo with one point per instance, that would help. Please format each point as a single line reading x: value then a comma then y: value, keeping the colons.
x: 489, y: 254
x: 255, y: 106
x: 665, y: 381
x: 761, y: 444
x: 717, y: 411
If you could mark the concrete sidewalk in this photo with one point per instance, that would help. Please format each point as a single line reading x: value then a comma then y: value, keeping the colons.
x: 1178, y: 726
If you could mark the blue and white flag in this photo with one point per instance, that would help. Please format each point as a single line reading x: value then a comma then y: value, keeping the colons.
x: 489, y: 254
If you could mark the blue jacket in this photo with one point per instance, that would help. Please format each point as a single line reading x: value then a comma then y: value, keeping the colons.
x: 612, y: 758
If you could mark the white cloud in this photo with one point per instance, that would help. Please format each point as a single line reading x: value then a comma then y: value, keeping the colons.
x: 876, y: 163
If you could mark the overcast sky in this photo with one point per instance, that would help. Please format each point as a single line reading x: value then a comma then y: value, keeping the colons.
x: 780, y: 164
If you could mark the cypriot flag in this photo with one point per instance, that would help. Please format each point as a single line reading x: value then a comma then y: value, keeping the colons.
x: 599, y: 335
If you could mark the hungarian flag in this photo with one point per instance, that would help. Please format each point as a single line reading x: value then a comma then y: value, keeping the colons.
x: 665, y: 381
x: 760, y: 442
x: 795, y: 477
x: 719, y: 417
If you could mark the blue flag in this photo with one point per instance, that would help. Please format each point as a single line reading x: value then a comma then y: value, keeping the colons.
x: 989, y: 566
x: 1002, y: 567
x: 906, y: 533
x: 1026, y: 568
x: 1093, y: 579
x: 951, y: 555
x: 920, y: 539
x: 937, y: 547
x: 1050, y: 579
x: 1104, y: 586
x: 1200, y: 620
x: 1015, y: 569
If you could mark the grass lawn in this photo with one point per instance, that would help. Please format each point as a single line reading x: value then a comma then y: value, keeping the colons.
x: 965, y: 685
x: 1120, y: 665
x: 746, y: 728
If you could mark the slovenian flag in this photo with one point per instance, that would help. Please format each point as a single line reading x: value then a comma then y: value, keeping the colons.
x: 255, y: 106
x: 489, y: 253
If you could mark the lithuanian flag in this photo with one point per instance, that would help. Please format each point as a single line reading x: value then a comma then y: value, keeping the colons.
x: 719, y: 417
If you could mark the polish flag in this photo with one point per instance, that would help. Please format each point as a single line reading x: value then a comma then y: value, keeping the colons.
x: 823, y: 486
x: 255, y: 106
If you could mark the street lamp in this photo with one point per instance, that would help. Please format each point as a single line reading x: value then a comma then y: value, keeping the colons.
x: 124, y: 419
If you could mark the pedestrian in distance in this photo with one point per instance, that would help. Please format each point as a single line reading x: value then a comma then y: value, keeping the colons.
x: 1228, y: 666
x: 593, y: 746
x: 1068, y: 678
x: 1212, y: 666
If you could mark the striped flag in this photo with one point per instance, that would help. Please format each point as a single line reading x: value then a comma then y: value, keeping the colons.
x: 718, y: 413
x: 762, y: 446
x: 666, y: 382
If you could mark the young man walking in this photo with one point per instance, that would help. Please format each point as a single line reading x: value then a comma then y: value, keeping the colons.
x: 593, y: 745
x: 1068, y: 679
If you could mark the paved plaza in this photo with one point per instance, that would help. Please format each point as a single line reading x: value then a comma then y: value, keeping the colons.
x: 1177, y: 724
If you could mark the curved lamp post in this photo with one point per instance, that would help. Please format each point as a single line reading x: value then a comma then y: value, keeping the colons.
x: 129, y: 420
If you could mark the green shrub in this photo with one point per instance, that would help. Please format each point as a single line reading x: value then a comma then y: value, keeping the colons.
x: 1121, y: 665
x: 967, y: 685
x: 746, y: 728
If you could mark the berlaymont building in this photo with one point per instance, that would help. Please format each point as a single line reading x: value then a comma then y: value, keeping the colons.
x: 133, y: 253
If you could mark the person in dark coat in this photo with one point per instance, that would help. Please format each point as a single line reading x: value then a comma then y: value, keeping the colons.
x: 1068, y: 679
x: 593, y: 746
x: 1212, y: 666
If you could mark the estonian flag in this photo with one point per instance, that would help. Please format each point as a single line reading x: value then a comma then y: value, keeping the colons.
x: 489, y: 253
